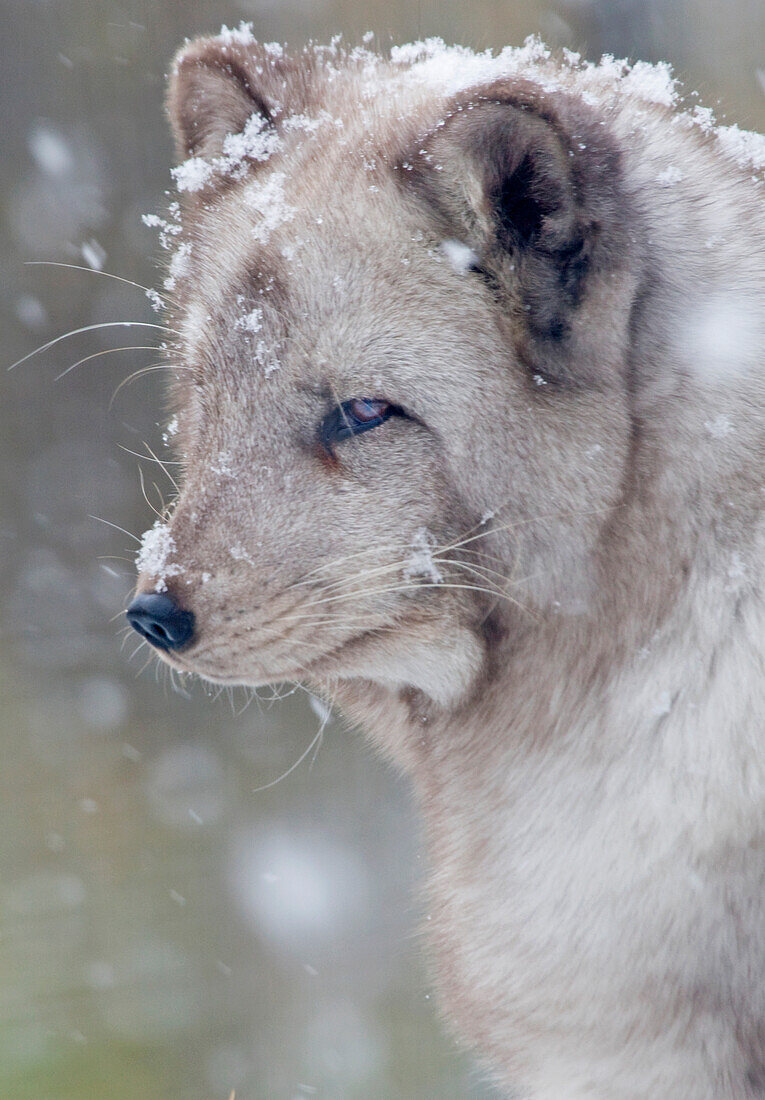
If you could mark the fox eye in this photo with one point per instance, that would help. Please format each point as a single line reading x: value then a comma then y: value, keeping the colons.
x: 354, y: 417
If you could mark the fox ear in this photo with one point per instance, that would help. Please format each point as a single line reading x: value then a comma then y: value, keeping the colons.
x: 534, y: 190
x: 217, y: 85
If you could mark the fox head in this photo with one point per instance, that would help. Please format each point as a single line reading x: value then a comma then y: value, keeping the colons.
x: 402, y: 304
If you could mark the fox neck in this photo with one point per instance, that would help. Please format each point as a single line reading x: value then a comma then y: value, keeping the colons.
x: 655, y: 684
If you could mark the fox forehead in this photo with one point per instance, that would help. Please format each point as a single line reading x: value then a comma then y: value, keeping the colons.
x: 345, y: 309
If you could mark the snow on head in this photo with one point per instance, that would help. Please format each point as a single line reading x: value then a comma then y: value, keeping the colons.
x: 455, y: 69
x: 157, y: 302
x: 239, y: 36
x: 267, y: 199
x: 460, y: 256
x: 744, y: 146
x: 310, y: 124
x: 178, y: 265
x: 420, y: 563
x: 251, y: 322
x: 238, y: 553
x: 651, y: 83
x: 157, y: 547
x: 194, y: 174
x: 670, y: 176
x: 169, y: 228
x: 263, y: 353
x: 266, y: 357
x: 257, y: 141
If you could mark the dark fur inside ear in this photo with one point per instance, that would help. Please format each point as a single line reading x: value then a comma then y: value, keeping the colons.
x: 216, y: 87
x: 519, y: 210
x: 534, y: 190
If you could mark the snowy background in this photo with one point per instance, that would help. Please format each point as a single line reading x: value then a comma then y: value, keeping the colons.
x: 166, y: 929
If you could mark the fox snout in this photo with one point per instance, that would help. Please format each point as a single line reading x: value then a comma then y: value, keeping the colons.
x: 159, y: 619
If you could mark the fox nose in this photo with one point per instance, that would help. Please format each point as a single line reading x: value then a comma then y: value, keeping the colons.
x: 161, y: 621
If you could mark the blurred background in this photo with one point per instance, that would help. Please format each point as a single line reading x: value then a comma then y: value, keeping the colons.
x: 168, y: 928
